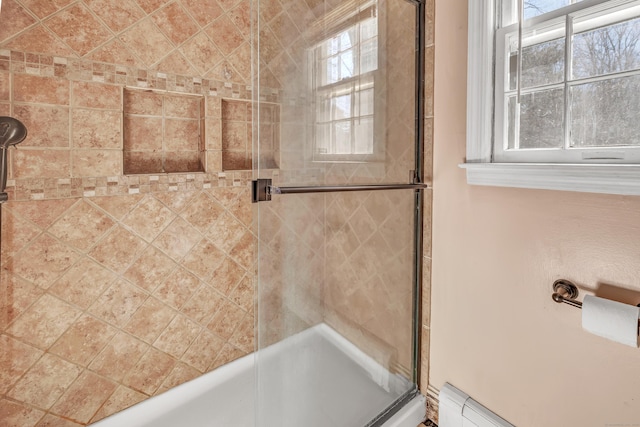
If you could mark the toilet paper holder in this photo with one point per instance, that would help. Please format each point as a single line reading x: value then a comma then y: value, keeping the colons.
x: 566, y: 292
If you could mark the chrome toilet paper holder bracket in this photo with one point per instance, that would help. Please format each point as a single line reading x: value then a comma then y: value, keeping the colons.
x: 566, y: 292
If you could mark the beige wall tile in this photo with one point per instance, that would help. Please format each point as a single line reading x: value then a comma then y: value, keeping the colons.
x: 45, y: 382
x: 203, y: 12
x: 41, y: 40
x: 83, y: 340
x: 185, y: 107
x: 118, y: 15
x: 44, y: 9
x: 178, y: 336
x: 225, y: 34
x: 15, y: 359
x: 44, y: 322
x: 16, y: 233
x: 18, y: 415
x: 78, y: 28
x: 150, y: 372
x: 16, y: 295
x: 243, y: 337
x: 182, y: 161
x: 175, y: 23
x: 178, y: 239
x: 118, y: 303
x: 97, y: 129
x: 146, y: 42
x: 119, y: 356
x: 227, y: 276
x: 194, y: 213
x: 177, y: 289
x: 150, y: 269
x: 226, y: 320
x: 228, y: 354
x: 117, y: 206
x: 181, y: 135
x: 96, y: 162
x: 142, y: 133
x: 203, y: 304
x: 203, y: 351
x: 150, y: 320
x: 13, y: 12
x: 142, y: 102
x: 5, y: 86
x: 181, y: 373
x: 81, y: 226
x: 43, y: 213
x: 43, y: 261
x: 139, y: 162
x: 54, y: 421
x: 47, y: 126
x: 202, y: 53
x: 121, y: 399
x: 83, y: 283
x: 149, y: 218
x: 150, y: 6
x: 116, y: 250
x: 116, y: 52
x: 41, y: 163
x: 203, y: 259
x: 84, y: 397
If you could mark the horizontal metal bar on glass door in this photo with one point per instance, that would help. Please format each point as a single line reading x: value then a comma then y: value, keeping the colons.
x: 338, y: 188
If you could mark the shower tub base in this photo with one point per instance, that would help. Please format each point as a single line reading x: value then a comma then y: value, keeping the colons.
x: 317, y: 375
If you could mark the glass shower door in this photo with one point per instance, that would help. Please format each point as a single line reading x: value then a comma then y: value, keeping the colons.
x: 337, y: 168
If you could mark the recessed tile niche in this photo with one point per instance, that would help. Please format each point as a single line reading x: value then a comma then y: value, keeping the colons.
x: 237, y: 134
x: 163, y: 132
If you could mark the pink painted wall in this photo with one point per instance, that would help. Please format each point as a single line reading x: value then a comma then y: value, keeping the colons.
x: 495, y: 332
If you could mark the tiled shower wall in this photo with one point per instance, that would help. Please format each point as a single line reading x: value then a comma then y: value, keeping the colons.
x: 116, y: 287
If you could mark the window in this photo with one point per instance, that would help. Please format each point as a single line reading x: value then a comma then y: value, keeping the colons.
x: 563, y: 111
x: 344, y: 68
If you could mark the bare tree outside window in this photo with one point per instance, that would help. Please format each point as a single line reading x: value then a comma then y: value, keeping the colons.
x: 602, y: 89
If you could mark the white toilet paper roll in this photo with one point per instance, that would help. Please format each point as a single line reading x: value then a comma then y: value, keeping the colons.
x: 611, y: 319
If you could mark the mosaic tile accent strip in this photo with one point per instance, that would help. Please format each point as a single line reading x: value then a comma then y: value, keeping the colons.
x: 54, y: 188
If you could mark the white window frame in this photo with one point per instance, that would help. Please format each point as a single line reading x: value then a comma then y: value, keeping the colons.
x: 352, y: 85
x: 480, y: 166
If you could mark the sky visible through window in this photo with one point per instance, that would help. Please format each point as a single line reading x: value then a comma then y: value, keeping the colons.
x: 538, y: 7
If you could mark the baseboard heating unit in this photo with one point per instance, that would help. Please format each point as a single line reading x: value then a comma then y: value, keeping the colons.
x: 457, y: 409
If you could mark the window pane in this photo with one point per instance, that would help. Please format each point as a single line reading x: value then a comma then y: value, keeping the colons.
x: 368, y: 29
x: 347, y: 65
x: 342, y: 137
x: 538, y: 7
x: 341, y: 107
x: 540, y: 120
x: 542, y: 64
x: 364, y: 136
x: 322, y: 139
x: 333, y: 73
x: 323, y: 110
x: 364, y: 103
x: 369, y: 56
x: 605, y: 50
x: 605, y: 113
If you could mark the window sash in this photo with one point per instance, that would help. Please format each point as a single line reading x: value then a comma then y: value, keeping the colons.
x: 574, y: 16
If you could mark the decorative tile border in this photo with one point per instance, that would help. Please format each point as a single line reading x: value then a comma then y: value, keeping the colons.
x: 60, y: 188
x: 92, y: 71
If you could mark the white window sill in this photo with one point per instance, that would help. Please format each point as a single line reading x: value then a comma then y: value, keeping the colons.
x: 591, y: 178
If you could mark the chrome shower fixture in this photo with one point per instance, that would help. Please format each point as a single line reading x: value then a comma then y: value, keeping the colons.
x: 12, y: 132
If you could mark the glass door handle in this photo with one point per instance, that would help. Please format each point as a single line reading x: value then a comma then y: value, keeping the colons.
x: 262, y: 190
